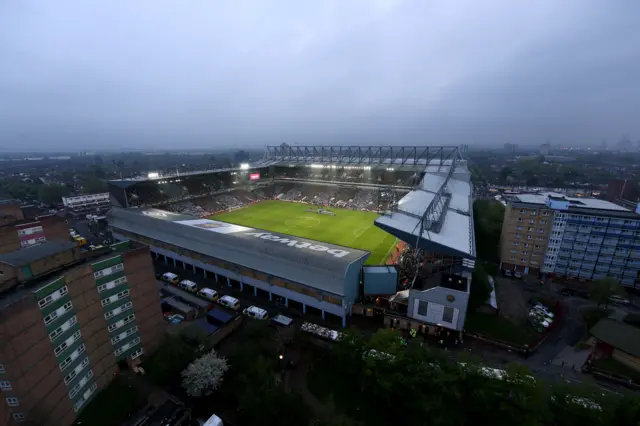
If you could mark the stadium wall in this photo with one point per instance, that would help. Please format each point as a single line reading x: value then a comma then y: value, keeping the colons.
x: 341, y: 310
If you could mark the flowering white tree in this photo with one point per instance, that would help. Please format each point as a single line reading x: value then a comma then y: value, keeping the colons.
x: 204, y: 375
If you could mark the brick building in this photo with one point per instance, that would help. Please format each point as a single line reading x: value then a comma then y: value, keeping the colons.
x: 63, y: 333
x: 21, y: 233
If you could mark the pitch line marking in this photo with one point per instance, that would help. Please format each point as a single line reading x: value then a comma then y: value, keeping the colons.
x: 358, y: 232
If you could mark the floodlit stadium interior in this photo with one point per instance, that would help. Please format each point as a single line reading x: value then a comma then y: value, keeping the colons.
x: 292, y: 211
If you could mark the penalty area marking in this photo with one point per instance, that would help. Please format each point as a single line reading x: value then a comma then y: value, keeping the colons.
x: 361, y: 231
x: 299, y: 222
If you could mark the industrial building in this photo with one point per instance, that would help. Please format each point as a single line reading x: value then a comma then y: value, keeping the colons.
x: 585, y: 238
x: 67, y: 318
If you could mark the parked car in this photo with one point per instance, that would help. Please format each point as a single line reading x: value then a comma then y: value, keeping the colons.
x: 507, y: 273
x: 619, y: 299
x: 546, y: 311
x: 517, y: 274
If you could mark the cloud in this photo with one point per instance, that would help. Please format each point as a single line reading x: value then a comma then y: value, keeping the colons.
x: 213, y: 73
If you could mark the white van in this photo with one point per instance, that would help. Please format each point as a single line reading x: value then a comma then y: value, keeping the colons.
x: 255, y: 312
x: 229, y: 302
x: 188, y: 286
x: 209, y: 294
x: 170, y: 277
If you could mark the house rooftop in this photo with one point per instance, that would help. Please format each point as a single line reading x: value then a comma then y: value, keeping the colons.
x: 621, y: 336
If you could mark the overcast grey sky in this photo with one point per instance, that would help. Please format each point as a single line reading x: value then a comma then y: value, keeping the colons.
x: 206, y: 73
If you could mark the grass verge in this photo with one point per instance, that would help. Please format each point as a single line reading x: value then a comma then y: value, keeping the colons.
x: 499, y: 328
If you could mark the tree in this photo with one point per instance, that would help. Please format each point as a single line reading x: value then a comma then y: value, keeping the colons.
x: 52, y: 194
x: 480, y: 288
x: 505, y: 173
x: 204, y: 375
x: 600, y: 291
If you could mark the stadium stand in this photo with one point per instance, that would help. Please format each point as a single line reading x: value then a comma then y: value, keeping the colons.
x: 422, y: 193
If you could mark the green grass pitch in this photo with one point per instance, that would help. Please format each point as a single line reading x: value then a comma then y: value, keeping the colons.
x: 347, y: 228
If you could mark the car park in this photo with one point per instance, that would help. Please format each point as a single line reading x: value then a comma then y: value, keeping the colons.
x: 171, y: 278
x: 187, y: 285
x: 229, y: 302
x: 619, y: 300
x: 209, y: 294
x: 256, y: 312
x: 542, y: 308
x: 517, y: 274
x: 507, y: 273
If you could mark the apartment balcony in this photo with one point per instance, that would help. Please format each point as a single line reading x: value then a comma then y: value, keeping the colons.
x: 595, y: 240
x: 613, y: 231
x: 568, y: 236
x: 591, y: 258
x: 567, y: 246
x: 607, y: 251
x: 595, y: 250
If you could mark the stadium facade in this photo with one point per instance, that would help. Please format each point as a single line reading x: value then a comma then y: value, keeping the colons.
x: 423, y: 194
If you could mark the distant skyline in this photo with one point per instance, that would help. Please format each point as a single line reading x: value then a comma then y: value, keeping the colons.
x: 84, y: 76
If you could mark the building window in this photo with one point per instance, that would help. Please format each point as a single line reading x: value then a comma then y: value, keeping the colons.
x: 18, y: 417
x: 112, y: 284
x: 64, y: 327
x: 5, y: 386
x: 447, y: 314
x: 515, y: 244
x: 108, y: 271
x: 512, y: 258
x: 114, y: 298
x: 523, y: 260
x: 76, y: 371
x: 534, y: 212
x: 64, y: 345
x: 422, y: 308
x: 122, y: 322
x: 545, y: 213
x: 524, y: 253
x: 53, y: 296
x: 519, y: 228
x: 118, y: 310
x: 523, y: 210
x: 518, y: 235
x: 12, y: 402
x: 55, y: 314
x: 520, y: 219
x: 513, y: 251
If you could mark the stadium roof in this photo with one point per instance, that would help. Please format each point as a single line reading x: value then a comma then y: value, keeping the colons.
x: 319, y: 265
x: 437, y: 215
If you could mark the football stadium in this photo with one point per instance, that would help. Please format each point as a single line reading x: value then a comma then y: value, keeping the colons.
x: 328, y: 229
